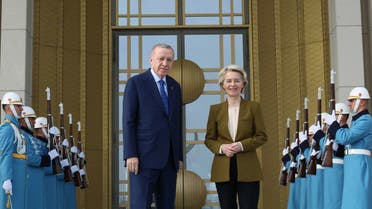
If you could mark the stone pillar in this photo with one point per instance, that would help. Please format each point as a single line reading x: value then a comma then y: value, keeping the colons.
x: 16, y: 48
x: 346, y: 43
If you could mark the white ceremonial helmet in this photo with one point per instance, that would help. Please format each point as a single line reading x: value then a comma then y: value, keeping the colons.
x: 28, y: 112
x: 358, y: 93
x: 41, y: 122
x: 342, y: 109
x: 11, y: 98
x: 54, y: 130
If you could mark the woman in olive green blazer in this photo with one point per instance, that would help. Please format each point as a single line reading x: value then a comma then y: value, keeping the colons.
x: 235, y: 130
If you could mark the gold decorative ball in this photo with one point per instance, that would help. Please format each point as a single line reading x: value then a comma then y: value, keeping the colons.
x: 191, y: 191
x: 191, y: 78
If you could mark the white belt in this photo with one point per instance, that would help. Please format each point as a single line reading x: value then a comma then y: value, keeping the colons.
x: 357, y: 152
x: 319, y: 166
x: 337, y: 161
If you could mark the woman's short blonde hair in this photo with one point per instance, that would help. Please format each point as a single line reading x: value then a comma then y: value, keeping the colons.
x: 232, y: 68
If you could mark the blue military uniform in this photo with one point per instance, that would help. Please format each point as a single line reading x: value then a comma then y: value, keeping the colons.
x: 294, y: 188
x: 12, y: 162
x: 304, y: 147
x: 36, y: 159
x: 315, y: 182
x: 333, y: 179
x: 357, y: 161
x: 50, y: 182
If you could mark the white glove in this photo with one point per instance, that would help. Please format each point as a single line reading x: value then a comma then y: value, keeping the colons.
x: 53, y: 154
x: 313, y: 153
x: 302, y: 136
x: 302, y: 157
x: 334, y: 146
x: 328, y: 142
x: 293, y: 164
x: 65, y: 143
x: 82, y: 155
x: 7, y: 186
x: 314, y: 128
x: 285, y: 151
x: 329, y: 119
x: 293, y: 145
x: 64, y: 163
x: 74, y: 149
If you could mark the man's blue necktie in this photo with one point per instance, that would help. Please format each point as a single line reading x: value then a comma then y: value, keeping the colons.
x: 163, y: 95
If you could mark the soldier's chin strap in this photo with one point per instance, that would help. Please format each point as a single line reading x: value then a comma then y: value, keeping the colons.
x: 45, y: 132
x: 28, y: 124
x: 15, y: 114
x: 356, y: 106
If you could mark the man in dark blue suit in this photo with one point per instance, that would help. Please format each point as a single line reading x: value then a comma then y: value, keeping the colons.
x: 152, y: 125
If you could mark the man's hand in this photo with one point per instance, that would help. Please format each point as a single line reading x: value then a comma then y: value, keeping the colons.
x: 132, y: 165
x: 228, y: 150
x: 7, y: 186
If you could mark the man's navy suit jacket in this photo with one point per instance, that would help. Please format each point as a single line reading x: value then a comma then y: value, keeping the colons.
x: 149, y: 133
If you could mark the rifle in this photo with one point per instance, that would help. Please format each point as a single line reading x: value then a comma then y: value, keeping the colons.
x: 74, y: 157
x: 56, y: 165
x: 328, y: 155
x: 65, y: 154
x: 315, y: 146
x: 295, y: 151
x: 303, y: 164
x: 284, y: 173
x: 83, y: 174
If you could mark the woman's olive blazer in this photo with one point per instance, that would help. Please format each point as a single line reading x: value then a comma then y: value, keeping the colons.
x: 251, y: 134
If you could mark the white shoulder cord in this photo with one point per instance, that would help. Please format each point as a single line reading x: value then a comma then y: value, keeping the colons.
x: 19, y: 139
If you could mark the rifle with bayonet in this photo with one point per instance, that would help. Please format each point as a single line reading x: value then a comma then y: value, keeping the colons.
x: 65, y: 145
x: 285, y: 158
x: 295, y: 151
x: 74, y: 157
x: 83, y: 173
x: 328, y: 154
x: 305, y: 144
x: 56, y: 165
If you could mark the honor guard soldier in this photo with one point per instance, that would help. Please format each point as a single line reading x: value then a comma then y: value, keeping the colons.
x: 60, y: 186
x: 294, y: 186
x: 315, y: 182
x: 309, y: 177
x: 334, y: 176
x: 35, y: 161
x: 304, y: 154
x: 50, y: 185
x: 12, y: 154
x: 358, y: 145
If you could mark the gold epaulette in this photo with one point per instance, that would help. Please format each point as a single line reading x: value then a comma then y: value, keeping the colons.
x: 20, y: 156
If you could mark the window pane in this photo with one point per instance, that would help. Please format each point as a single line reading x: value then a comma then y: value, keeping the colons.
x: 203, y: 50
x: 158, y: 21
x: 158, y: 6
x: 202, y: 21
x: 201, y: 6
